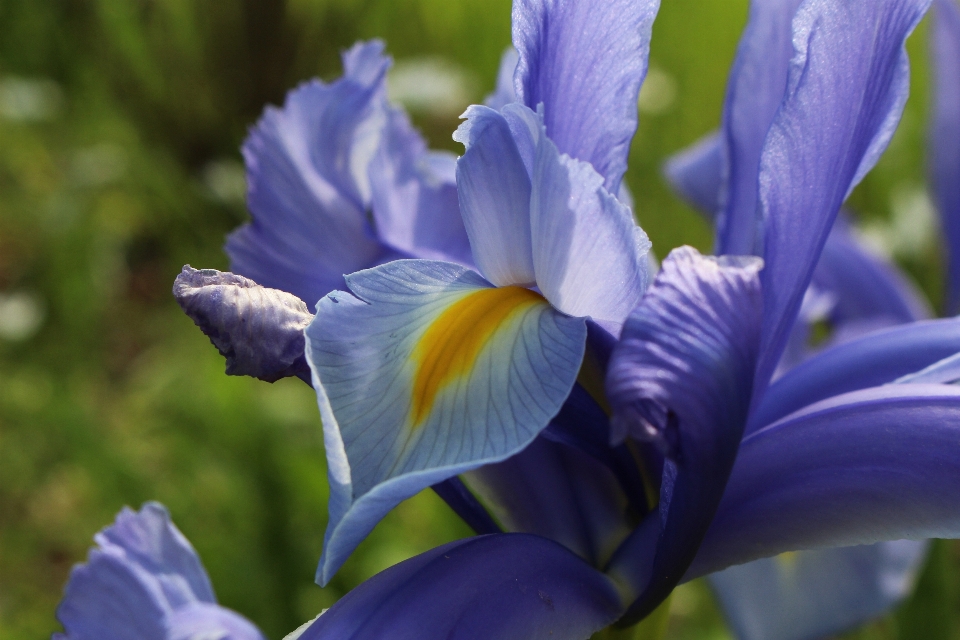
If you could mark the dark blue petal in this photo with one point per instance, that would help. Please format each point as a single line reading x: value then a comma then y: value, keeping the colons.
x: 945, y: 137
x: 558, y: 492
x: 846, y: 88
x: 873, y: 360
x: 696, y: 174
x: 814, y: 594
x: 681, y: 376
x: 755, y: 91
x: 259, y: 331
x: 415, y: 195
x: 499, y: 587
x: 585, y: 62
x: 872, y: 465
x: 308, y: 186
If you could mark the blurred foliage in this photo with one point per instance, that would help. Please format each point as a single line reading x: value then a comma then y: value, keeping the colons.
x: 120, y: 123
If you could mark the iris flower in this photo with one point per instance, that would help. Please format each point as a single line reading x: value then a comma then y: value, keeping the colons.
x: 426, y: 369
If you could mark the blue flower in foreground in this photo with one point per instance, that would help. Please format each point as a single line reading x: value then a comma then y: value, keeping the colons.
x: 145, y: 581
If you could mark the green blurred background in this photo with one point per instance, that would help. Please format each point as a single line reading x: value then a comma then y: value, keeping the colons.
x: 120, y: 123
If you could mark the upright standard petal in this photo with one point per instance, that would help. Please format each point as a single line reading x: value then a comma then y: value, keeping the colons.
x: 681, y: 376
x: 814, y: 594
x: 945, y: 137
x: 846, y: 88
x: 144, y: 581
x: 424, y: 372
x: 308, y: 187
x: 497, y: 587
x: 259, y: 331
x: 493, y: 183
x: 585, y: 62
x: 589, y: 256
x: 505, y: 92
x: 696, y: 174
x: 876, y: 359
x: 415, y: 195
x: 872, y: 465
x: 758, y: 81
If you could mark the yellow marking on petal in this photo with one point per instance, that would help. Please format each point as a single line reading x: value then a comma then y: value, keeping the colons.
x: 787, y: 560
x: 449, y: 348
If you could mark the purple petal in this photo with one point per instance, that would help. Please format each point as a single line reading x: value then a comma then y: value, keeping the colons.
x: 308, y: 187
x: 585, y: 62
x: 755, y: 91
x: 873, y: 360
x: 258, y: 330
x: 873, y: 465
x: 696, y: 174
x: 202, y: 620
x: 945, y: 136
x: 505, y: 93
x: 814, y: 594
x: 493, y: 182
x: 415, y: 196
x: 589, y: 255
x: 846, y: 89
x: 681, y: 376
x: 497, y: 587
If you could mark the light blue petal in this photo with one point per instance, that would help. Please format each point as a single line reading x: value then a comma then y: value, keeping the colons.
x: 681, y: 377
x: 808, y: 595
x: 945, y: 137
x: 696, y: 174
x: 415, y: 195
x: 505, y: 93
x: 585, y: 62
x: 204, y: 621
x: 755, y: 91
x: 868, y: 466
x: 589, y: 255
x: 846, y: 88
x: 421, y: 377
x: 494, y: 188
x: 258, y: 330
x: 307, y: 178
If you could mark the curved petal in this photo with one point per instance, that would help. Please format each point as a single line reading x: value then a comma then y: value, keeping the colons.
x: 505, y: 93
x: 681, y: 376
x: 203, y: 620
x: 696, y: 174
x: 494, y: 188
x: 307, y: 179
x: 414, y: 195
x: 497, y: 587
x: 585, y: 62
x: 876, y: 359
x: 758, y: 81
x: 872, y: 465
x: 846, y: 88
x: 814, y: 594
x: 426, y: 373
x: 258, y: 330
x: 589, y: 255
x: 945, y: 137
x: 555, y: 491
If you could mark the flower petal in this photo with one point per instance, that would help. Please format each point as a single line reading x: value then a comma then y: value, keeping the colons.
x: 497, y: 587
x: 258, y: 330
x: 945, y: 137
x: 758, y: 81
x: 307, y: 178
x: 585, y: 62
x: 846, y: 89
x: 505, y: 93
x: 872, y: 465
x: 415, y: 195
x: 814, y: 594
x: 589, y: 255
x: 681, y: 376
x: 200, y: 620
x: 494, y: 187
x: 696, y: 174
x: 876, y: 359
x: 426, y: 373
